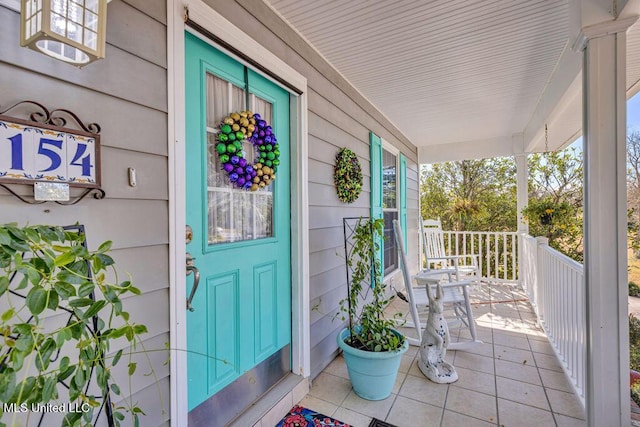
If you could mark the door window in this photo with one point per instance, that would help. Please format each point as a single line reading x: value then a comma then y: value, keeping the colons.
x: 389, y: 208
x: 234, y: 214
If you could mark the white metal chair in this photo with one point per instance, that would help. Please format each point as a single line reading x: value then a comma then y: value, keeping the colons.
x: 436, y: 255
x: 455, y: 294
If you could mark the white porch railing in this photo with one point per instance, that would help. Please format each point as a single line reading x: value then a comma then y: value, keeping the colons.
x: 553, y: 282
x: 555, y: 286
x: 496, y: 252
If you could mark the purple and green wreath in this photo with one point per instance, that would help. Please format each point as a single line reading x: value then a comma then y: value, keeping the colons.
x: 246, y: 126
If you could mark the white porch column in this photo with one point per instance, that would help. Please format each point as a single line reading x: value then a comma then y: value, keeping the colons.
x: 522, y: 200
x: 604, y: 122
x: 522, y: 174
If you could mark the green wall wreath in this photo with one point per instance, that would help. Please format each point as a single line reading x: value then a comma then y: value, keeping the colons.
x: 347, y: 175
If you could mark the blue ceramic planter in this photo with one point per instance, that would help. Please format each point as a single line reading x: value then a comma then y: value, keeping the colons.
x: 372, y: 373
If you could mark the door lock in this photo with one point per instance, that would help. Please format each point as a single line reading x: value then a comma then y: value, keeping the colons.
x: 188, y: 235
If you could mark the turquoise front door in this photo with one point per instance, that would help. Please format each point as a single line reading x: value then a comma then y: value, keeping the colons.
x: 241, y: 238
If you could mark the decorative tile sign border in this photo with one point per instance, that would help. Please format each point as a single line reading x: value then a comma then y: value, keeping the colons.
x: 42, y: 149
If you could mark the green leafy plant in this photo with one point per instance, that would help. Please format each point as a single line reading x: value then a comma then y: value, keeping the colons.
x: 634, y: 354
x: 559, y: 221
x: 347, y: 175
x: 635, y: 393
x: 47, y: 274
x: 547, y: 213
x: 634, y: 343
x: 369, y: 329
x: 634, y: 289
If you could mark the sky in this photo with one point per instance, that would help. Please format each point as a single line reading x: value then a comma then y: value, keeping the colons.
x: 633, y: 112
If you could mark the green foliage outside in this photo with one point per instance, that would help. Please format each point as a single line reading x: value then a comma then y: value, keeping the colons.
x: 634, y: 289
x: 472, y: 195
x: 635, y: 393
x: 634, y: 346
x: 634, y: 353
x: 555, y: 200
x: 559, y: 221
x: 633, y: 191
x: 369, y: 329
x: 480, y: 195
x: 44, y: 275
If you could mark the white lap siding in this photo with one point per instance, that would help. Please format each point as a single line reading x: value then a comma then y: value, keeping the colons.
x: 126, y: 93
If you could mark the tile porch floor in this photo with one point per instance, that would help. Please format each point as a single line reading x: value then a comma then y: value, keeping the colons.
x: 512, y: 380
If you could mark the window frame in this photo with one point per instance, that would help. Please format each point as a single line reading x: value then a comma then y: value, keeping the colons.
x: 386, y: 146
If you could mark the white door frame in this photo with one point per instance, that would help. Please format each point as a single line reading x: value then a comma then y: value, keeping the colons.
x: 215, y: 23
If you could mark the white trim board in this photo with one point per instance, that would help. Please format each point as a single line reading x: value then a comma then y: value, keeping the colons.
x: 11, y: 4
x: 229, y: 33
x: 212, y: 21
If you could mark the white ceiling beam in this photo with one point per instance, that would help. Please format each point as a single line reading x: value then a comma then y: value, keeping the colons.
x: 629, y: 8
x: 556, y: 97
x: 560, y: 105
x: 466, y: 150
x: 590, y: 12
x: 603, y: 29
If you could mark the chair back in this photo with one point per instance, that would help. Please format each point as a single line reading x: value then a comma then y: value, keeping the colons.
x: 397, y: 233
x: 408, y: 286
x: 432, y: 223
x: 432, y: 239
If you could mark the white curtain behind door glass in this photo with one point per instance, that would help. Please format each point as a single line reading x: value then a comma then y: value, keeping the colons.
x: 390, y: 208
x: 264, y: 201
x: 234, y: 214
x: 264, y: 108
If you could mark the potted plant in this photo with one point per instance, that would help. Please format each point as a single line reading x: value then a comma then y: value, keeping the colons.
x: 372, y: 347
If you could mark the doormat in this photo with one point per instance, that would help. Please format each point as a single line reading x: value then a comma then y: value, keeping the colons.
x: 379, y: 423
x: 303, y: 417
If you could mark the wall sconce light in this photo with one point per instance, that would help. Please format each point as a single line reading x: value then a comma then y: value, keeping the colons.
x: 73, y: 31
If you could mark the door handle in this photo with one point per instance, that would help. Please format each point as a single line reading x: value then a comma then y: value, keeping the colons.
x: 196, y: 280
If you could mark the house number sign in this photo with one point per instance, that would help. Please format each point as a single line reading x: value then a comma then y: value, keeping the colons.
x: 43, y: 150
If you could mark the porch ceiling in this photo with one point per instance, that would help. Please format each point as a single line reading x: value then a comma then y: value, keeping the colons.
x: 466, y: 78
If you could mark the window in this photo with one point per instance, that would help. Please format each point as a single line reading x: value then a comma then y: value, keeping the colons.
x: 389, y: 208
x: 388, y: 196
x: 234, y: 214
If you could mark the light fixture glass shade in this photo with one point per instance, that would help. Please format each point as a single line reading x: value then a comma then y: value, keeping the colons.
x: 72, y: 31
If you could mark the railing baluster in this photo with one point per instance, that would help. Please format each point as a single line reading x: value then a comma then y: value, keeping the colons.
x: 473, y: 239
x: 480, y: 261
x: 514, y: 267
x: 488, y: 254
x: 564, y: 313
x: 497, y: 252
x: 496, y: 257
x: 575, y: 337
x: 464, y: 248
x: 554, y: 284
x: 504, y: 256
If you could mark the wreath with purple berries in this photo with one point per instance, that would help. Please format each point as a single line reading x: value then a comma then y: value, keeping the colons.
x: 246, y: 126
